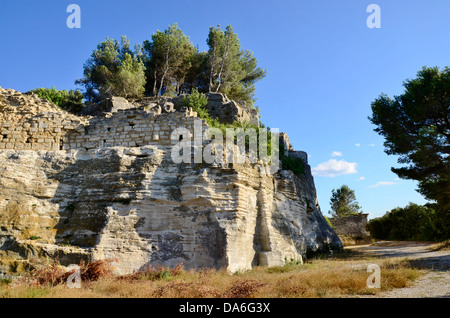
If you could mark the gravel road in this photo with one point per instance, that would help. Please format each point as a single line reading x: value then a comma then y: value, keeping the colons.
x: 435, y: 283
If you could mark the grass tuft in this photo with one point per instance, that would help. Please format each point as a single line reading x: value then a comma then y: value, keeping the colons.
x: 338, y: 277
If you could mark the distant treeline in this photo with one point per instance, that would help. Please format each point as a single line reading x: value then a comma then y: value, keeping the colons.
x: 411, y: 223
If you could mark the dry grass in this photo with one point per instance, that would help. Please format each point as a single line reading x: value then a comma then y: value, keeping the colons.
x: 441, y: 246
x: 154, y: 273
x: 340, y: 277
x: 47, y: 274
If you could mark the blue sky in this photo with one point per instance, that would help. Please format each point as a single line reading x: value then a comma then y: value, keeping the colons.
x: 325, y: 67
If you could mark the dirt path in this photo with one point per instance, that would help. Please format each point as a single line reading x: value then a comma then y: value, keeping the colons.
x: 435, y: 283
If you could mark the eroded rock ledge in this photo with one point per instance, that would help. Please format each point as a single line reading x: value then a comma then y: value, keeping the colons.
x: 97, y: 188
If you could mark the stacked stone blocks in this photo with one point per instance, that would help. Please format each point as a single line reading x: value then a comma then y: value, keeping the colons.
x: 29, y: 123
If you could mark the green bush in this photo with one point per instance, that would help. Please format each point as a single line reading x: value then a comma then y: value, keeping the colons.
x: 293, y: 164
x: 71, y: 101
x: 413, y: 222
x: 5, y: 281
x: 197, y: 101
x: 296, y: 165
x: 328, y: 221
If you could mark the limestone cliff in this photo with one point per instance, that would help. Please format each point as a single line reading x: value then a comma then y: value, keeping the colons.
x: 106, y: 187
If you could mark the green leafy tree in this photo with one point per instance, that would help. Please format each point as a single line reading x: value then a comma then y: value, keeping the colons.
x: 169, y: 64
x: 215, y: 42
x: 114, y: 70
x: 197, y: 75
x: 416, y: 126
x: 224, y: 58
x: 71, y: 101
x: 413, y: 222
x: 129, y: 81
x: 343, y: 202
x: 243, y: 90
x: 168, y: 59
x: 197, y: 101
x: 232, y: 71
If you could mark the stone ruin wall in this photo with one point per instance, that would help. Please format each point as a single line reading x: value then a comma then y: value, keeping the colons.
x: 228, y: 111
x: 129, y: 129
x: 28, y: 122
x: 351, y: 229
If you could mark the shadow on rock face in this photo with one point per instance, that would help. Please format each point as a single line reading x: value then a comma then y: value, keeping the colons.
x: 128, y: 204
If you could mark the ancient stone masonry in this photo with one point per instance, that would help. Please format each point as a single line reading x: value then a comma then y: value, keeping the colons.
x: 227, y: 111
x: 105, y: 186
x: 289, y: 150
x: 352, y: 229
x: 30, y: 123
x: 219, y: 107
x: 129, y: 128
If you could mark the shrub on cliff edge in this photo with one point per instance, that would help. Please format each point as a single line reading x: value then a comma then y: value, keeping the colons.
x: 71, y: 101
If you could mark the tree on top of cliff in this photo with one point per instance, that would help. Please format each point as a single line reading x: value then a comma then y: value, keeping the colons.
x: 168, y: 60
x: 169, y: 64
x: 223, y: 58
x: 343, y: 202
x: 231, y: 71
x: 113, y: 70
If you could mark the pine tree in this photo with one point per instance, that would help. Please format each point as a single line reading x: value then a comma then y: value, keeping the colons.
x: 416, y: 127
x: 113, y: 70
x: 232, y: 71
x: 343, y: 202
x: 168, y: 60
x: 129, y: 80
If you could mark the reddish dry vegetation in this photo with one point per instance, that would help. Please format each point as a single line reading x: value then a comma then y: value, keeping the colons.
x: 53, y: 274
x: 318, y: 278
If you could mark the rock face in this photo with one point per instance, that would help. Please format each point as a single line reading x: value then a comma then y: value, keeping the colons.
x: 218, y: 105
x: 351, y: 229
x: 110, y: 191
x: 228, y: 111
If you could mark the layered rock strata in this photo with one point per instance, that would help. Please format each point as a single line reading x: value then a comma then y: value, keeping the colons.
x: 107, y: 187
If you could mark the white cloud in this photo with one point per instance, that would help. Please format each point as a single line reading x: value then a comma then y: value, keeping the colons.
x: 333, y: 168
x: 361, y: 178
x: 372, y: 145
x: 382, y: 183
x: 336, y: 154
x: 357, y: 145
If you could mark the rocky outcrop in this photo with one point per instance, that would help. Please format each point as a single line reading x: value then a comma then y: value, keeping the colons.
x: 228, y: 111
x: 352, y: 229
x: 218, y: 105
x: 118, y: 199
